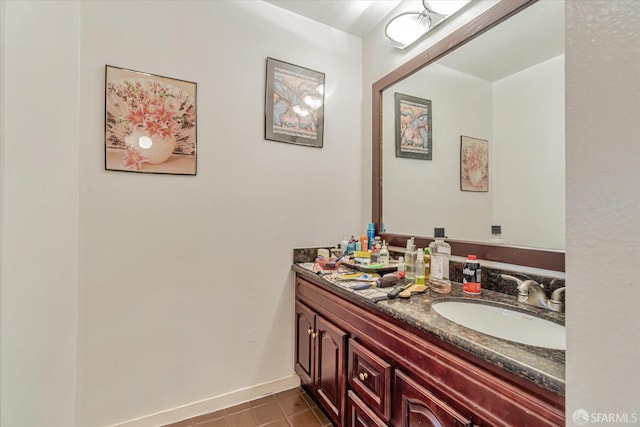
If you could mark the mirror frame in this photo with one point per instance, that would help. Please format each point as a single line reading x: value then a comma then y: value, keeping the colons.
x: 518, y: 255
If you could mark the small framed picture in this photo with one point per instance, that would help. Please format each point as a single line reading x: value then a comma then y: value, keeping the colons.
x: 413, y: 127
x: 474, y: 164
x: 150, y: 123
x: 294, y: 104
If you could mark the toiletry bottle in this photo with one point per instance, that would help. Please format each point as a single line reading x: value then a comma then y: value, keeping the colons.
x: 401, y: 268
x: 420, y: 275
x: 427, y: 263
x: 351, y: 246
x: 364, y: 243
x: 471, y: 276
x: 384, y: 255
x: 440, y: 254
x: 410, y: 260
x: 371, y: 231
x: 343, y: 245
x: 375, y: 252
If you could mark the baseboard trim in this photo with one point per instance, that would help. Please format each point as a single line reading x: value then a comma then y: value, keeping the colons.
x: 212, y: 404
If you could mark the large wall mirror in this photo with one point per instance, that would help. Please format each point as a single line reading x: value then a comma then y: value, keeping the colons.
x: 498, y: 79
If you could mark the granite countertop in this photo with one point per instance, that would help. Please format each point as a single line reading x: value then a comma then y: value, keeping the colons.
x: 544, y: 367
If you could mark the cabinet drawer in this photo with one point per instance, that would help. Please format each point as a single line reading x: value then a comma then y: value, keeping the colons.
x: 370, y: 378
x: 414, y: 405
x: 359, y: 415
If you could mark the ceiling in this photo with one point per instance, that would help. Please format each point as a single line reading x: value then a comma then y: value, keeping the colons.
x: 357, y: 17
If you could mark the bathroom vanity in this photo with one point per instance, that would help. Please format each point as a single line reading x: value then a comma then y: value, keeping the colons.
x: 399, y: 363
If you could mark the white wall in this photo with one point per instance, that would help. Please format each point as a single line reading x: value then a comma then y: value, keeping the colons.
x: 186, y: 289
x: 422, y: 194
x: 184, y: 286
x: 603, y: 206
x: 529, y: 202
x: 39, y: 212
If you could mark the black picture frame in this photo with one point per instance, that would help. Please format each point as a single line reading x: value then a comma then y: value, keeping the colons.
x: 413, y: 127
x: 294, y: 104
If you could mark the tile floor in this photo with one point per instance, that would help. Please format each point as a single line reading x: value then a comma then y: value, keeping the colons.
x: 290, y: 408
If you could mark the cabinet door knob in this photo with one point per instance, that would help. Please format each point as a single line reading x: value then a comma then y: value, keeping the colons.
x: 315, y: 334
x: 363, y: 376
x: 309, y: 331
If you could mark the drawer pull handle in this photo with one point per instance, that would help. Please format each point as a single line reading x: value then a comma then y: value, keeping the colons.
x: 363, y: 376
x: 309, y: 331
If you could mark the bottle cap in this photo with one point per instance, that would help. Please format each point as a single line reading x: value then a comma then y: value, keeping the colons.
x: 472, y: 257
x: 438, y: 232
x: 426, y: 251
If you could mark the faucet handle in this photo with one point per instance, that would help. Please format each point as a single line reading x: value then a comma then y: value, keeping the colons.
x: 558, y: 294
x: 556, y: 303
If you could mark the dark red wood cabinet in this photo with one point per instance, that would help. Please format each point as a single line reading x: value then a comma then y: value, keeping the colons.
x: 320, y: 361
x: 368, y: 370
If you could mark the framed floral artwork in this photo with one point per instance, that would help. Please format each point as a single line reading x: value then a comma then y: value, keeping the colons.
x: 294, y: 104
x: 474, y: 164
x: 413, y: 127
x: 150, y: 123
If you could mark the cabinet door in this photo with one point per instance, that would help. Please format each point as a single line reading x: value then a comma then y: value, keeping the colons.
x: 370, y: 377
x: 305, y: 324
x: 413, y: 405
x: 331, y: 369
x: 359, y: 415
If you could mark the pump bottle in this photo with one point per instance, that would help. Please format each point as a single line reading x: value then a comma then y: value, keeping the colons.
x: 440, y: 254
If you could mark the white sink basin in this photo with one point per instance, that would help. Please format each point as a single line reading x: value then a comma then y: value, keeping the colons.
x: 503, y: 323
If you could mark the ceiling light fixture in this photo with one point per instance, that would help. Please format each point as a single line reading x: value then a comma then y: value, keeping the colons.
x: 404, y: 29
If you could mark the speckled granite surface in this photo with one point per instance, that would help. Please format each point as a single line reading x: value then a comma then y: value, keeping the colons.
x: 491, y: 279
x: 541, y: 366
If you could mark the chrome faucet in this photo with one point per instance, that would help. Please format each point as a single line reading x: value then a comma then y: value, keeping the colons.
x: 530, y: 292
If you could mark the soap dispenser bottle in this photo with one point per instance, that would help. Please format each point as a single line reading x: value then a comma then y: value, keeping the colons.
x: 440, y: 254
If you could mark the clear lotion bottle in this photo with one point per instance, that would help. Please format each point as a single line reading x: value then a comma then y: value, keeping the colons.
x: 440, y: 254
x: 410, y: 260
